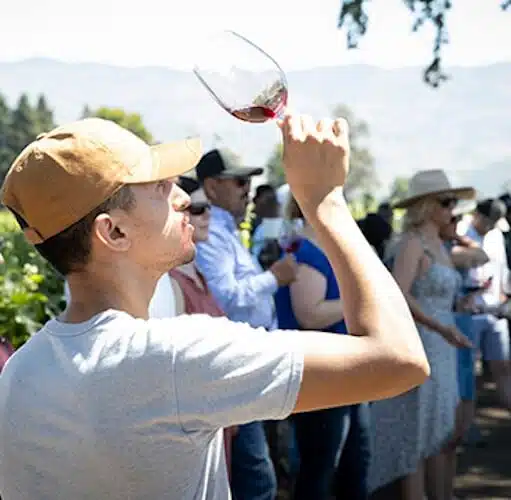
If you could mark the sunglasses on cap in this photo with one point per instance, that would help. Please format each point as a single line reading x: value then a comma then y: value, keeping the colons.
x: 198, y: 208
x: 447, y: 202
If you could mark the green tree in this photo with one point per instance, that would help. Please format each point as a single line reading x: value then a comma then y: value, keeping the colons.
x: 20, y: 126
x: 86, y: 112
x: 362, y: 176
x: 23, y: 125
x: 130, y: 121
x: 353, y: 16
x: 44, y: 115
x: 6, y: 152
x: 369, y: 202
x: 398, y: 189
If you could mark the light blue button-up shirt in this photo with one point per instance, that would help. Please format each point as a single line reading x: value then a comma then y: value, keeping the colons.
x: 236, y: 280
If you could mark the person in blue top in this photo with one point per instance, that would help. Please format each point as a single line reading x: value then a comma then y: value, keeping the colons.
x: 333, y: 444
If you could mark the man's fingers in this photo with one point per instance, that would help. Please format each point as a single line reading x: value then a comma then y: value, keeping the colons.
x: 341, y: 127
x: 308, y: 125
x: 325, y: 128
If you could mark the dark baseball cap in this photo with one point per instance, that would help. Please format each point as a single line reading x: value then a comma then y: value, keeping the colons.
x: 492, y: 208
x: 216, y: 164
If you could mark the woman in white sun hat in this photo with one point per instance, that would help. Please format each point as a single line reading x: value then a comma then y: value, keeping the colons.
x: 410, y: 432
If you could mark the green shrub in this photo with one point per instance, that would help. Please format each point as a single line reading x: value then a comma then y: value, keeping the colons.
x: 31, y: 292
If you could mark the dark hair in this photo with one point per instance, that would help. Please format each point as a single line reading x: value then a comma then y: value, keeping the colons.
x: 376, y: 231
x: 492, y: 208
x: 263, y: 188
x: 69, y: 250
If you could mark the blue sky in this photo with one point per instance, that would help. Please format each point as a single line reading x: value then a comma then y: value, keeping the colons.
x: 298, y: 33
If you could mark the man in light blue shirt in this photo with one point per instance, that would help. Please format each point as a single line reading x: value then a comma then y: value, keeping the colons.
x: 245, y: 292
x: 237, y: 281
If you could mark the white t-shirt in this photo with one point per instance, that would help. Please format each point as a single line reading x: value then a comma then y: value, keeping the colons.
x: 163, y: 302
x: 493, y: 244
x: 123, y: 408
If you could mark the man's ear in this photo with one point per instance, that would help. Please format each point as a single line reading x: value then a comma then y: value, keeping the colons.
x: 210, y: 188
x: 110, y: 231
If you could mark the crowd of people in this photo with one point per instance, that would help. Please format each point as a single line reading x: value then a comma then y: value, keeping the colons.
x: 451, y: 260
x: 233, y: 394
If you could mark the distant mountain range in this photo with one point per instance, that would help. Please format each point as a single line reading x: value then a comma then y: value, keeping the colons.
x: 463, y: 127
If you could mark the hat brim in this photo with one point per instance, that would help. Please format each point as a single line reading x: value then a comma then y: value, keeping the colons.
x: 168, y: 160
x: 239, y: 172
x: 462, y: 193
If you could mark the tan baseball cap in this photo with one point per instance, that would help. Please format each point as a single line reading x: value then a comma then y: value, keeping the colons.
x: 64, y: 174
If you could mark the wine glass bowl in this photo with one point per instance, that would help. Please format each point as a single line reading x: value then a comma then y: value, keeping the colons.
x: 242, y: 78
x: 290, y: 235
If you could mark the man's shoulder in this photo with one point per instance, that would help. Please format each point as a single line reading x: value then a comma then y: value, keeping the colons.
x: 220, y: 240
x: 217, y: 229
x: 116, y: 337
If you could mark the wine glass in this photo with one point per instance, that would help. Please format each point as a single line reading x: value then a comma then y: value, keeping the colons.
x: 246, y: 81
x: 290, y: 235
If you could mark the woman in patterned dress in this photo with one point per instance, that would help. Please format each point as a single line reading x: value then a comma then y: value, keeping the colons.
x: 409, y: 433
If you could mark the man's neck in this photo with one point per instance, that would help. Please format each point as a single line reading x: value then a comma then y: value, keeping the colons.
x: 95, y: 292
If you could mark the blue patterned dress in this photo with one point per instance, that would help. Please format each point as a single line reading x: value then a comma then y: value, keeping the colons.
x: 417, y: 424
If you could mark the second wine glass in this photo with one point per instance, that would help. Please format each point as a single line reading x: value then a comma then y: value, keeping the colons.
x: 246, y: 81
x: 291, y: 235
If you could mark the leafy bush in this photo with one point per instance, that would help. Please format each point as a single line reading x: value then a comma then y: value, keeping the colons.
x: 31, y: 292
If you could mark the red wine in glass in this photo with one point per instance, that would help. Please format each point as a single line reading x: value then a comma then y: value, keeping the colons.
x: 290, y: 236
x: 293, y: 246
x: 254, y: 114
x: 272, y: 107
x: 242, y: 78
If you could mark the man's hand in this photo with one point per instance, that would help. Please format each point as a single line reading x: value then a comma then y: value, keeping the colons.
x: 315, y: 157
x: 285, y: 270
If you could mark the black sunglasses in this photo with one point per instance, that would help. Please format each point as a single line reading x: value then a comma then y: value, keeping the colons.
x: 239, y: 181
x: 198, y: 208
x: 447, y: 202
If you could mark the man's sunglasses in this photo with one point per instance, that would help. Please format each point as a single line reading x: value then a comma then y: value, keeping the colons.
x: 239, y: 181
x: 198, y: 208
x: 447, y: 202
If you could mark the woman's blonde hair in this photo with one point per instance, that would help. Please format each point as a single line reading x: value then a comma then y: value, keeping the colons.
x: 292, y: 210
x: 418, y: 213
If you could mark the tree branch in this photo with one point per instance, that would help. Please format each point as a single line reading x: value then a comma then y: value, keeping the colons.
x: 354, y: 18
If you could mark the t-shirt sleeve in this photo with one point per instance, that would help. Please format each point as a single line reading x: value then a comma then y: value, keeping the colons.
x: 228, y: 373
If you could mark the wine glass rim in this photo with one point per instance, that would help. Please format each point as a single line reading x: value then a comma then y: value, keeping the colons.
x: 256, y: 46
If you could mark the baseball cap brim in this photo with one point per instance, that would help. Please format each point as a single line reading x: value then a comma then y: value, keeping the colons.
x: 168, y: 160
x: 240, y: 172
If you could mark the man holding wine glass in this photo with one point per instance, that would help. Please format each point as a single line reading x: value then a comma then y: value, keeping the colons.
x: 103, y: 402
